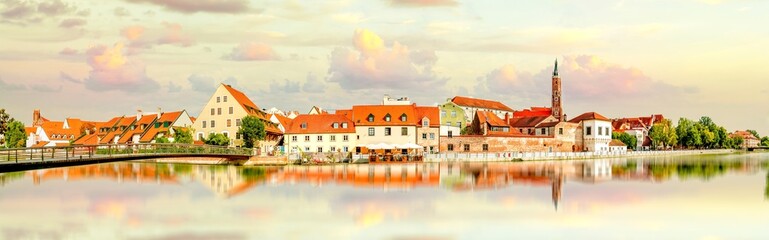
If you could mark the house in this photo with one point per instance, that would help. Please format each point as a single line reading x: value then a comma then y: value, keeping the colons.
x: 164, y: 126
x: 282, y: 121
x: 470, y: 105
x: 47, y: 133
x: 317, y: 133
x: 529, y: 125
x: 138, y: 128
x: 223, y: 114
x: 317, y: 110
x: 453, y: 119
x: 113, y: 133
x: 428, y: 128
x: 748, y: 140
x: 617, y: 146
x: 638, y: 127
x: 487, y: 124
x: 394, y: 127
x: 594, y: 132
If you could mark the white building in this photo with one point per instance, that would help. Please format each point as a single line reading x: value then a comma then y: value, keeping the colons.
x: 313, y: 133
x: 596, y: 132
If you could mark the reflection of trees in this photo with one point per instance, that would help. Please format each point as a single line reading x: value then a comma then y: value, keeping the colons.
x: 252, y: 173
x: 6, y: 178
x: 182, y: 169
x: 693, y: 169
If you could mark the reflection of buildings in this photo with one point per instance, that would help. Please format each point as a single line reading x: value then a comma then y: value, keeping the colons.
x: 388, y: 176
x: 120, y: 172
x: 226, y: 181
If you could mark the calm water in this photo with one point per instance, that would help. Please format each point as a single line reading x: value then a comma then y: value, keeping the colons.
x: 695, y: 197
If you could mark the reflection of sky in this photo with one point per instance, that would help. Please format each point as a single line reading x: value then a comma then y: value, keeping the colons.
x: 730, y: 206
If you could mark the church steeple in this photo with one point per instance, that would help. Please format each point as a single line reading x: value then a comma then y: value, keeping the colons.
x: 555, y: 70
x: 557, y: 108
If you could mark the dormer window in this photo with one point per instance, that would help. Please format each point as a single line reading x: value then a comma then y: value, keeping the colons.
x: 387, y: 117
x: 403, y: 117
x: 344, y: 125
x: 303, y: 125
x: 335, y: 125
x: 426, y: 122
x: 370, y: 118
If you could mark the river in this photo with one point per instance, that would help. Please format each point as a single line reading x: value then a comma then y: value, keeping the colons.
x: 677, y: 197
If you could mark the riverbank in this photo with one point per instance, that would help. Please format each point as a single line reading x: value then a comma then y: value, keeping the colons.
x: 539, y: 156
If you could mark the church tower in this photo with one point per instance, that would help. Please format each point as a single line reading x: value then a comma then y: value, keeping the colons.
x: 557, y: 109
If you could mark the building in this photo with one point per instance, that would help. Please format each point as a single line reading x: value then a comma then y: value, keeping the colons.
x: 389, y: 101
x: 223, y: 114
x: 138, y: 128
x: 556, y: 106
x: 638, y: 127
x: 748, y: 140
x: 594, y: 132
x: 470, y: 105
x: 617, y: 146
x: 316, y: 133
x: 453, y: 119
x: 394, y: 128
x: 165, y: 126
x: 487, y: 123
x: 47, y: 133
x: 428, y: 128
x: 533, y: 112
x: 530, y: 125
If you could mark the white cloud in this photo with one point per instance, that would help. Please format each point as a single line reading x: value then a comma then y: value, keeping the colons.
x: 111, y: 70
x: 252, y: 51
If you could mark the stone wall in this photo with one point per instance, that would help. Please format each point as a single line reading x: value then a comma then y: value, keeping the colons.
x: 506, y: 144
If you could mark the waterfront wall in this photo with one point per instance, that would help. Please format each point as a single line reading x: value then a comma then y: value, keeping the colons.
x: 529, y: 156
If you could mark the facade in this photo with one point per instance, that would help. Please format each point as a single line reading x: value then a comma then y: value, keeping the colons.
x: 595, y: 132
x: 223, y: 113
x: 748, y: 140
x: 428, y: 128
x: 394, y: 128
x: 638, y: 127
x: 470, y: 105
x: 47, y: 133
x: 617, y: 146
x: 315, y: 133
x: 453, y: 119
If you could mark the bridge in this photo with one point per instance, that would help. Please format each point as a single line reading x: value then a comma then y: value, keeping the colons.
x: 750, y: 149
x: 21, y: 159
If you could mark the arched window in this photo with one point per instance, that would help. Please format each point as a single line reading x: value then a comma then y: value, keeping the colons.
x: 387, y: 117
x: 403, y: 117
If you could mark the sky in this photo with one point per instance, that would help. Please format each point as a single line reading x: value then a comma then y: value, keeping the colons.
x: 96, y: 59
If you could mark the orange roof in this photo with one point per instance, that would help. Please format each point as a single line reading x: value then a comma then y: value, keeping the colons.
x: 153, y: 131
x: 193, y: 119
x: 527, y: 122
x: 285, y: 121
x: 40, y: 144
x: 145, y: 120
x: 122, y: 126
x: 241, y: 98
x: 90, y: 139
x: 588, y: 116
x: 30, y: 130
x: 56, y: 131
x: 533, y: 112
x: 616, y: 143
x: 480, y: 103
x: 432, y: 113
x: 320, y: 123
x: 745, y: 135
x: 361, y: 113
x: 490, y: 118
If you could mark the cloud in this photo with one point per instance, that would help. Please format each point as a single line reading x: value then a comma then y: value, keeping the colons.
x: 173, y: 88
x: 207, y: 84
x: 121, y: 12
x: 313, y: 84
x: 111, y: 70
x: 67, y: 77
x: 210, y: 6
x: 68, y: 51
x: 349, y: 18
x: 251, y: 51
x: 10, y: 86
x: 142, y: 38
x: 25, y: 12
x: 286, y: 86
x: 55, y: 7
x: 423, y: 3
x: 372, y: 65
x: 45, y: 88
x: 72, y: 22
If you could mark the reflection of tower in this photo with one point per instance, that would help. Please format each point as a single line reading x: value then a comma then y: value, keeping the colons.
x: 557, y: 109
x: 557, y: 181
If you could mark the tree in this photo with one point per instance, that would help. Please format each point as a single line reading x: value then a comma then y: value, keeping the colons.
x: 182, y: 135
x: 161, y: 140
x: 737, y: 142
x: 626, y: 138
x: 5, y: 119
x: 684, y: 132
x: 217, y: 139
x: 663, y: 134
x: 252, y: 131
x: 755, y: 134
x: 15, y: 135
x: 765, y: 141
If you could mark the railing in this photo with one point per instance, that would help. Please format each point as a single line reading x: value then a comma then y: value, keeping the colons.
x: 113, y: 150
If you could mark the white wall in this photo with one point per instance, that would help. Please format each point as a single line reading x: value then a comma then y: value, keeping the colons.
x: 313, y: 144
x: 379, y: 135
x: 220, y: 120
x: 598, y: 140
x: 455, y: 131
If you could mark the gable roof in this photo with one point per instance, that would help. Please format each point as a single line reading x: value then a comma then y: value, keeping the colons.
x: 480, y: 103
x: 320, y: 123
x: 489, y: 118
x: 283, y: 120
x: 242, y: 99
x: 527, y: 122
x: 90, y: 139
x: 146, y: 119
x: 123, y: 122
x: 533, y: 112
x: 589, y: 116
x: 431, y: 113
x: 153, y: 131
x: 360, y: 115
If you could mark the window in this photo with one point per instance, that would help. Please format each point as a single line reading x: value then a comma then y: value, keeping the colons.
x: 467, y: 147
x: 542, y: 131
x: 204, y: 124
x: 453, y: 113
x: 218, y: 111
x: 303, y: 125
x: 306, y: 149
x: 450, y: 133
x: 443, y: 113
x: 293, y: 138
x: 225, y: 98
x: 306, y: 138
x: 459, y: 124
x: 237, y: 122
x: 320, y: 149
x: 387, y: 131
x: 560, y: 131
x: 345, y: 138
x: 345, y: 149
x: 387, y: 117
x: 200, y: 136
x: 320, y: 138
x: 370, y: 118
x: 588, y: 131
x: 426, y: 123
x: 403, y: 117
x: 600, y: 131
x: 404, y: 131
x: 218, y: 99
x: 333, y: 138
x: 424, y: 135
x: 344, y: 125
x: 237, y: 135
x: 231, y: 109
x: 226, y: 134
x: 333, y: 149
x: 335, y: 125
x: 485, y: 147
x: 213, y: 111
x: 213, y: 124
x: 432, y: 136
x: 166, y: 124
x: 371, y: 131
x: 450, y: 147
x: 157, y: 124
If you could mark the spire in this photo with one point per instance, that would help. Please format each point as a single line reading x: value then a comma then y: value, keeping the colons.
x: 555, y: 70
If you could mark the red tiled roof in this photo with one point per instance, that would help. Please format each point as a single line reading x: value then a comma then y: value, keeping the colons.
x: 30, y: 130
x: 241, y: 98
x: 346, y: 112
x: 360, y: 115
x: 490, y: 118
x: 533, y: 112
x: 432, y: 113
x: 285, y: 121
x: 745, y: 135
x: 480, y: 103
x: 588, y: 116
x: 90, y: 139
x: 123, y: 122
x: 153, y: 131
x: 40, y: 144
x: 56, y: 131
x: 320, y: 123
x: 527, y: 122
x: 144, y: 120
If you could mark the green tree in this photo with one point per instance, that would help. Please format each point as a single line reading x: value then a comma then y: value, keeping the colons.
x: 252, y: 131
x: 5, y: 119
x: 182, y: 135
x: 755, y: 133
x: 683, y: 130
x: 15, y: 135
x: 626, y: 138
x: 217, y: 139
x: 161, y: 140
x: 737, y: 142
x: 663, y: 134
x: 765, y: 141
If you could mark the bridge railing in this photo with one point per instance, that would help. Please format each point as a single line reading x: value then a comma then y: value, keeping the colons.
x: 110, y: 150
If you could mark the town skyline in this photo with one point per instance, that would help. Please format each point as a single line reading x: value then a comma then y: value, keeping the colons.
x: 110, y: 58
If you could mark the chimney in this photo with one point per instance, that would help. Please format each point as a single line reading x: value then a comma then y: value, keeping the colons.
x: 507, y: 117
x: 35, y: 117
x: 159, y: 112
x: 138, y: 114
